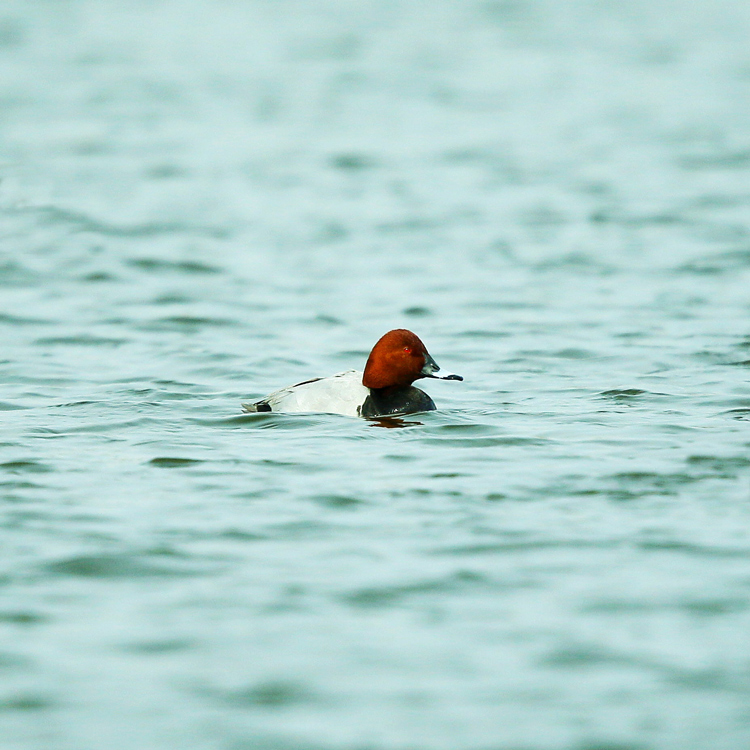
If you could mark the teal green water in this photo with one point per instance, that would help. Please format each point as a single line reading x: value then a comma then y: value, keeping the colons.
x: 203, y: 201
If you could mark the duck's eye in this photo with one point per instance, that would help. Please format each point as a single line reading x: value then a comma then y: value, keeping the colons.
x: 407, y: 349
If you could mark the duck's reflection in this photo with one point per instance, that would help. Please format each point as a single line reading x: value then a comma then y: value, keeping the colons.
x: 391, y: 422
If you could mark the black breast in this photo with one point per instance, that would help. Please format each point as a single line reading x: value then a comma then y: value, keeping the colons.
x: 384, y: 402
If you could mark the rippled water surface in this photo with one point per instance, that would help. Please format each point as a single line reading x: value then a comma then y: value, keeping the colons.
x: 204, y: 201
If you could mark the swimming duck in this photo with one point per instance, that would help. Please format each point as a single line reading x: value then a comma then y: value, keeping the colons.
x: 383, y: 389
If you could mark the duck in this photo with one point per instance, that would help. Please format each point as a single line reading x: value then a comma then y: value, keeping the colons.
x: 384, y: 388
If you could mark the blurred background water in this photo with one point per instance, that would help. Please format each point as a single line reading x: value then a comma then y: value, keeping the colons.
x: 204, y: 200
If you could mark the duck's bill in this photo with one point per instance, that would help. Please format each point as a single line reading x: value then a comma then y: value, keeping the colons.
x: 431, y: 370
x: 445, y: 376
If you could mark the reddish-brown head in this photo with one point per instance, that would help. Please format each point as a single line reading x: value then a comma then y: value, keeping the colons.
x: 398, y: 359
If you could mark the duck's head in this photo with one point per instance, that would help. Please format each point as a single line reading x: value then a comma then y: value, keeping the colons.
x: 398, y: 359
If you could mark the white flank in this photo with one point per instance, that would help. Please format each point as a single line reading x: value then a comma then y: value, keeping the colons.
x: 342, y: 393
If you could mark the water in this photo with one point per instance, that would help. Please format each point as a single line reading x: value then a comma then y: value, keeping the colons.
x: 204, y: 201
